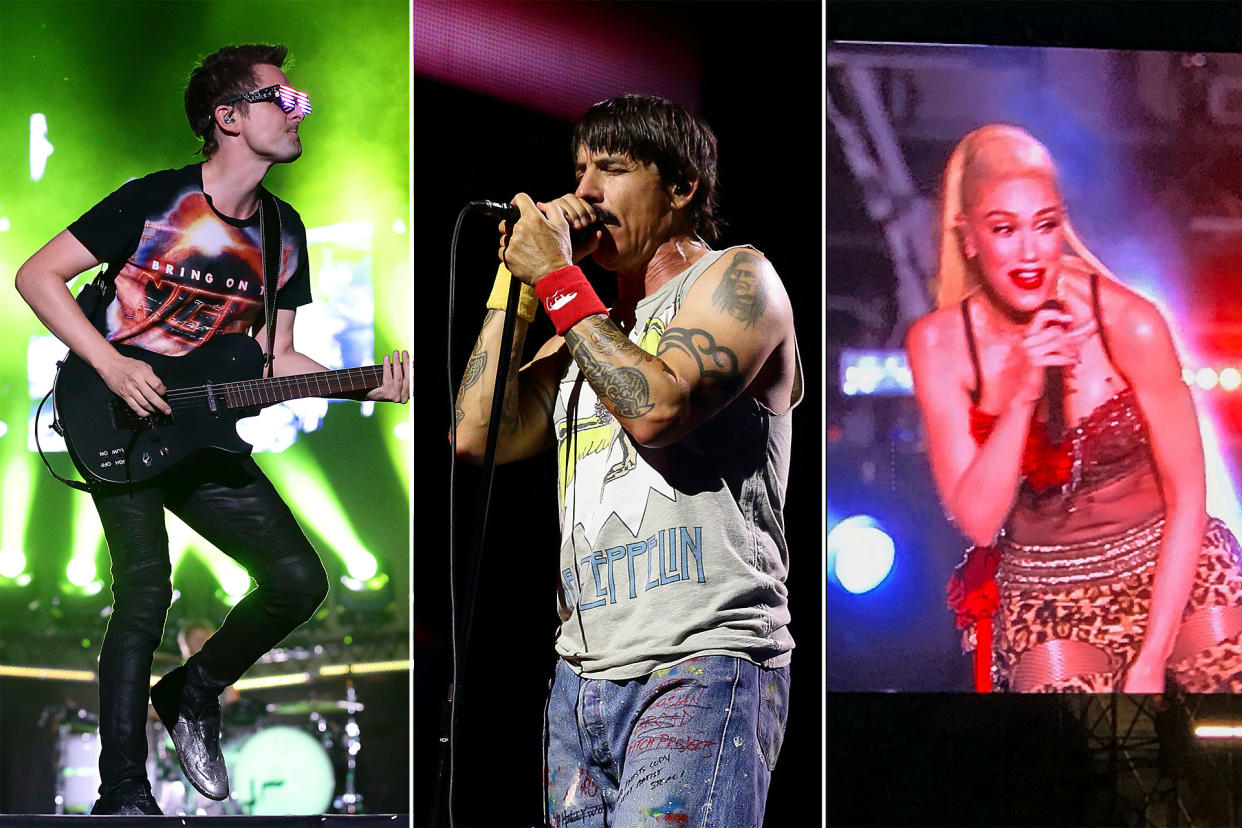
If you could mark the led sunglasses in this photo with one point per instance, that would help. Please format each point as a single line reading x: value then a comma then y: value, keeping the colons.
x: 286, y: 97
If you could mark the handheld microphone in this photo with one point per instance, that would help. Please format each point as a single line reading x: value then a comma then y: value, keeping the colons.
x: 1054, y: 387
x: 510, y: 212
x: 497, y: 209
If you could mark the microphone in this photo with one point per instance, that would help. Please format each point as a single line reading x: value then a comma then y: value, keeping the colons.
x: 1054, y: 388
x: 510, y: 212
x: 496, y: 209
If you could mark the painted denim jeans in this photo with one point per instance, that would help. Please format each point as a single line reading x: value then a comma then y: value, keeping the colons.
x: 690, y: 745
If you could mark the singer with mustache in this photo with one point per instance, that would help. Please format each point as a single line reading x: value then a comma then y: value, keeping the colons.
x: 1108, y: 571
x: 670, y: 413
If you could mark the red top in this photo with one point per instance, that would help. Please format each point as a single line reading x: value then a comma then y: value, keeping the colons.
x: 1044, y: 464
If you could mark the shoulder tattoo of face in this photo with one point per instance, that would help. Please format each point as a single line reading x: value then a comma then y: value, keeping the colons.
x: 740, y: 293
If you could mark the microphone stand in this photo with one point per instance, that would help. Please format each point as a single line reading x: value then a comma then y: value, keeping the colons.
x: 451, y: 709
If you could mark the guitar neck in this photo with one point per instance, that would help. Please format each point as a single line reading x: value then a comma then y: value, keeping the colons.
x: 261, y: 392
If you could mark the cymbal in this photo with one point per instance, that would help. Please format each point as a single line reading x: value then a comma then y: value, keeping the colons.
x: 305, y: 708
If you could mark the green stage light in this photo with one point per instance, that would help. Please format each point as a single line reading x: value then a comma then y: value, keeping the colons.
x: 318, y: 509
x: 12, y: 562
x: 18, y: 482
x: 81, y: 571
x: 345, y: 177
x: 361, y: 565
x: 374, y: 584
x: 86, y: 536
x: 182, y: 539
x: 400, y: 422
x: 233, y: 580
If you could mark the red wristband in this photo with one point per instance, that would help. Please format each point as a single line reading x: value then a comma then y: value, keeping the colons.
x: 568, y: 297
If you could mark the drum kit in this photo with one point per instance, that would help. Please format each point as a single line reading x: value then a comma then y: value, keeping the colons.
x: 280, y: 759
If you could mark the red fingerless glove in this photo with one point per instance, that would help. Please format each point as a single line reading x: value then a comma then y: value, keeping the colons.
x: 568, y: 297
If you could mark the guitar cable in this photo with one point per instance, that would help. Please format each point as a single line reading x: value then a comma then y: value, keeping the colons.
x: 85, y: 486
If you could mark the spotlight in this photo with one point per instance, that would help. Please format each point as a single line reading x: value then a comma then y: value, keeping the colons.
x: 1230, y: 378
x: 234, y: 581
x: 1205, y: 378
x: 40, y: 147
x: 361, y: 565
x: 12, y: 562
x: 81, y: 571
x: 860, y: 553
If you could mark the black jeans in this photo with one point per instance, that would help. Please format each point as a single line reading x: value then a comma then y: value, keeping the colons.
x: 231, y: 503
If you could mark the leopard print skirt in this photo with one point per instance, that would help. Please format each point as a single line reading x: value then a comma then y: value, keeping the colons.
x: 1072, y: 617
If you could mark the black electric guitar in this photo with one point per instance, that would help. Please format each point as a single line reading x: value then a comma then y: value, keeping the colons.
x: 117, y: 445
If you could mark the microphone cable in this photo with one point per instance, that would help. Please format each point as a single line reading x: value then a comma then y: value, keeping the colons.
x: 452, y: 516
x: 488, y: 469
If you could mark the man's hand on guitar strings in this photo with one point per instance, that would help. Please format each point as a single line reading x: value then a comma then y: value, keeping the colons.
x: 397, y: 373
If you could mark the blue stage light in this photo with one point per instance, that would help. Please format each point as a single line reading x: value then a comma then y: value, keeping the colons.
x: 860, y: 553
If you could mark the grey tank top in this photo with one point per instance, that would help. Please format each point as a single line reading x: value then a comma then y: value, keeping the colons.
x: 669, y: 553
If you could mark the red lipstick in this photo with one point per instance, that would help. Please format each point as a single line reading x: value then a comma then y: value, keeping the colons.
x: 1031, y: 278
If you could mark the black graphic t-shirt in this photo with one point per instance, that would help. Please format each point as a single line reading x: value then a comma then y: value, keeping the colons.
x: 185, y: 273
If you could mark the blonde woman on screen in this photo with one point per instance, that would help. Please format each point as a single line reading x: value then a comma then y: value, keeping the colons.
x: 1110, y: 571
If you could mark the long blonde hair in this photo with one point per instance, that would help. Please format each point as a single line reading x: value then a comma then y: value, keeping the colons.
x: 991, y: 152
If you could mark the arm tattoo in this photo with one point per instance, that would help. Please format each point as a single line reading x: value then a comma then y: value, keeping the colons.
x: 478, y: 358
x: 509, y: 413
x: 624, y: 388
x: 740, y: 293
x: 718, y: 372
x: 474, y: 372
x: 474, y: 368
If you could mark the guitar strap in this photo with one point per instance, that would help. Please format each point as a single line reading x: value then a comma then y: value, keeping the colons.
x: 269, y: 231
x: 94, y: 298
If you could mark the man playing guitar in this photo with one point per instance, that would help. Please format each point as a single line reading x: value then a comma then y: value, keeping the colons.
x: 184, y: 249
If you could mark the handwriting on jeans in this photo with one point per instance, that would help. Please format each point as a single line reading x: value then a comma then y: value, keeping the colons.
x: 570, y: 817
x: 587, y: 786
x: 665, y: 720
x: 672, y: 711
x: 667, y: 741
x: 691, y: 698
x: 650, y: 774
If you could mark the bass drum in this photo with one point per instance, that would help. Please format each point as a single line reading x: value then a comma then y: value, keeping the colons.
x: 280, y: 771
x: 77, y: 760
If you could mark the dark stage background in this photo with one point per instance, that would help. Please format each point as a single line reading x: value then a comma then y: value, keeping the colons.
x: 756, y: 68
